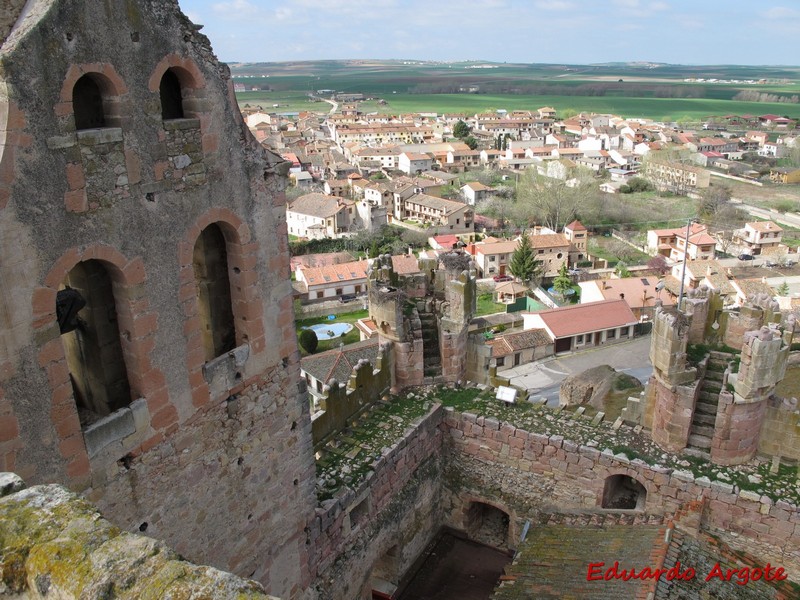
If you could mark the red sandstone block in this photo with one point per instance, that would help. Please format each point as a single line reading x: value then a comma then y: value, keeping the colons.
x: 57, y: 373
x: 146, y: 324
x: 44, y: 302
x: 9, y: 428
x: 72, y: 446
x: 78, y: 467
x: 52, y: 351
x: 15, y: 118
x: 68, y: 427
x: 157, y: 400
x: 134, y: 272
x: 133, y: 166
x: 164, y: 418
x: 152, y: 442
x: 76, y: 201
x: 210, y: 143
x: 75, y: 177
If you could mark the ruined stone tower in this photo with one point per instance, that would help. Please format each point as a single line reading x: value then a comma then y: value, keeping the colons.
x: 147, y: 357
x: 425, y: 316
x: 717, y: 408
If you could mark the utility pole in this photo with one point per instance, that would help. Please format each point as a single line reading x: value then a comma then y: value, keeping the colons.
x: 685, y: 257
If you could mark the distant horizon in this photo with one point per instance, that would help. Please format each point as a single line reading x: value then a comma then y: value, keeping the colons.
x: 510, y: 62
x: 573, y: 32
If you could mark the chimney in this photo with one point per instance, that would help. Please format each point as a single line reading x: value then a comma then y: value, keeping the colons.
x: 622, y: 296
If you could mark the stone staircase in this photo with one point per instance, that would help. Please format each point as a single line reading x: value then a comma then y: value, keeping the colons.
x: 705, y: 411
x: 431, y: 355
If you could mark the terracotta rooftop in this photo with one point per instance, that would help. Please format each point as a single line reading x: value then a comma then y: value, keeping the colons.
x: 317, y: 205
x: 339, y: 363
x: 584, y: 318
x: 405, y: 264
x: 763, y: 226
x: 521, y: 340
x: 576, y: 226
x: 341, y: 273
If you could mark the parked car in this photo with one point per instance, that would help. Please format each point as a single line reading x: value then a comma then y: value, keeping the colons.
x: 574, y: 271
x: 746, y: 257
x: 771, y: 264
x: 347, y: 298
x: 501, y: 278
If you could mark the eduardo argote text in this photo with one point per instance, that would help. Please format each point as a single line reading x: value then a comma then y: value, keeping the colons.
x: 742, y: 576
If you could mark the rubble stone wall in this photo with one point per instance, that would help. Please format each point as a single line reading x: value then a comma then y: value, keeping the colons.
x: 397, y: 505
x: 530, y: 472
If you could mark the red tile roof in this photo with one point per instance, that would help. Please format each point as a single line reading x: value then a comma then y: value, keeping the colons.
x: 584, y: 318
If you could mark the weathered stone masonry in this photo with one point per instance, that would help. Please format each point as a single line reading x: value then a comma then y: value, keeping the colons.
x: 212, y: 456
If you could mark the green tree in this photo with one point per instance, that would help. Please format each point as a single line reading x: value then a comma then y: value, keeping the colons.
x: 461, y: 130
x: 308, y: 340
x: 563, y: 281
x: 622, y: 270
x: 523, y: 263
x: 471, y: 142
x: 783, y: 289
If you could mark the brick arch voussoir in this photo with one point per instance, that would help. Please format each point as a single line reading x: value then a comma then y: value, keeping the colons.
x: 189, y: 73
x: 111, y: 78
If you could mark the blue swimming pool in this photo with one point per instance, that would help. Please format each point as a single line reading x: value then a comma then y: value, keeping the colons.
x: 328, y: 331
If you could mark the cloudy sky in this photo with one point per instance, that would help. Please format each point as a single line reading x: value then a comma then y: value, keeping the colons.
x: 547, y: 31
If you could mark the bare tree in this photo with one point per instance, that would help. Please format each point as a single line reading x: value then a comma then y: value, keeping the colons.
x: 550, y: 202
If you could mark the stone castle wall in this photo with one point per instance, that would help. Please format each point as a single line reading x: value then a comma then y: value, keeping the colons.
x: 529, y: 472
x: 396, y: 506
x: 214, y: 456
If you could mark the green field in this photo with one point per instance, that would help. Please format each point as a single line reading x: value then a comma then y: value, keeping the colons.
x: 656, y: 92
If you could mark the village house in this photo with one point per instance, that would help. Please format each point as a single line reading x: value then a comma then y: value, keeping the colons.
x: 492, y: 256
x: 676, y: 176
x: 440, y: 213
x: 784, y: 175
x: 583, y: 326
x: 333, y: 281
x: 475, y: 192
x: 759, y: 237
x: 513, y: 349
x: 413, y: 163
x: 639, y: 293
x: 671, y: 243
x: 317, y: 216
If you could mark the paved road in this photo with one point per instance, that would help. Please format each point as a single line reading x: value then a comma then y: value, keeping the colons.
x: 788, y: 219
x: 543, y: 379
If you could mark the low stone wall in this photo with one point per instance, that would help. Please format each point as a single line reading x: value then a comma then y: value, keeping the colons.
x: 395, y: 511
x: 530, y: 473
x: 345, y: 400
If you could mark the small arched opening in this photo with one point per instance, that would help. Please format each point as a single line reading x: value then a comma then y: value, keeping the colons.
x: 385, y: 575
x: 87, y: 317
x: 210, y: 261
x: 88, y: 103
x: 171, y: 94
x: 487, y: 524
x: 622, y: 492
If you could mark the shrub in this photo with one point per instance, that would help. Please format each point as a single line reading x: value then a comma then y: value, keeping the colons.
x: 308, y: 340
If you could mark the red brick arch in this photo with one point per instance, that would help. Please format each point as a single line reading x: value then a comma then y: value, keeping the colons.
x: 139, y: 325
x: 106, y: 74
x: 185, y: 68
x: 247, y: 306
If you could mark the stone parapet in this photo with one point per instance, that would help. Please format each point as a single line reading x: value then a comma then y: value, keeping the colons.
x: 55, y: 544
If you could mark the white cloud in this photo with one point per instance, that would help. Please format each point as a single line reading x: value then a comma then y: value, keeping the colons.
x: 780, y: 13
x: 282, y: 13
x: 554, y: 5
